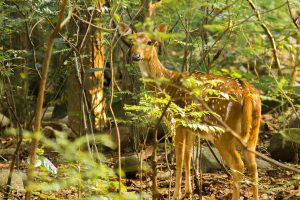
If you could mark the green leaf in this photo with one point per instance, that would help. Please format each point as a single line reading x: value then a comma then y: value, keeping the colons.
x: 40, y: 151
x: 282, y: 83
x: 23, y: 75
x: 117, y: 17
x: 116, y: 185
x: 106, y: 140
x: 281, y: 118
x: 214, y: 27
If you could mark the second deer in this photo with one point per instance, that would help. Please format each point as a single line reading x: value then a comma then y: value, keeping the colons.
x: 241, y: 113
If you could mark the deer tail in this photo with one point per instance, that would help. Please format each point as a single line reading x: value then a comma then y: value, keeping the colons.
x: 251, y: 120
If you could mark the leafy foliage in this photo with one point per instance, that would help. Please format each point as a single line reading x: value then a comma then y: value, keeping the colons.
x: 151, y: 107
x: 81, y: 167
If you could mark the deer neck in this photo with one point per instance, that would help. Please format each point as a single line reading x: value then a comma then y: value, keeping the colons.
x: 154, y: 69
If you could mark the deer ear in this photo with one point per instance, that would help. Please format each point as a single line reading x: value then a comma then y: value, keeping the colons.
x: 124, y: 29
x: 162, y: 28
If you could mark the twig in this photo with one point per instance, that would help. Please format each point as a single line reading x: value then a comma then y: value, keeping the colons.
x: 16, y: 153
x: 219, y: 162
x: 285, y: 95
x: 155, y: 192
x: 95, y: 26
x: 29, y: 35
x: 269, y: 34
x: 113, y: 115
x: 168, y: 166
x: 213, y: 45
x: 66, y: 20
x: 33, y: 45
x: 82, y: 42
x: 294, y: 20
x: 197, y: 168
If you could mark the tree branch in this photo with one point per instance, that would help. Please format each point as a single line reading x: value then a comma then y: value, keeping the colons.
x: 269, y: 35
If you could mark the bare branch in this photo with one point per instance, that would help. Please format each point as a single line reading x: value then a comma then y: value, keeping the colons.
x: 95, y: 26
x: 294, y: 20
x: 269, y: 34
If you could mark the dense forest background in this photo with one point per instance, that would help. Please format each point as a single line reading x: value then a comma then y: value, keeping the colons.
x: 74, y: 111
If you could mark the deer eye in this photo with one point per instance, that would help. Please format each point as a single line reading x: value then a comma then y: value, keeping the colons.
x: 149, y: 42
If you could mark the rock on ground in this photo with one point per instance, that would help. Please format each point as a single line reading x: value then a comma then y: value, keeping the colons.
x: 17, y: 179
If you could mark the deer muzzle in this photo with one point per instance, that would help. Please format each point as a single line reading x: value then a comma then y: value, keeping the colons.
x: 136, y: 57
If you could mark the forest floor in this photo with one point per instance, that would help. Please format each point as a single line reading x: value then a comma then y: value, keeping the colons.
x: 274, y: 183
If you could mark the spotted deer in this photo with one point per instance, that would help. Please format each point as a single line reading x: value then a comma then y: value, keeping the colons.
x: 241, y: 114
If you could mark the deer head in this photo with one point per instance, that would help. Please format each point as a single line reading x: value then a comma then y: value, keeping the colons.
x: 142, y: 44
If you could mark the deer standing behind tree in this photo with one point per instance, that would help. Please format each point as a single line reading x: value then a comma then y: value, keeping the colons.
x: 240, y: 111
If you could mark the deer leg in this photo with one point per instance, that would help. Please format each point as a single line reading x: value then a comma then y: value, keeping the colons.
x: 189, y: 143
x: 234, y: 162
x: 179, y: 152
x: 250, y: 157
x: 252, y: 168
x: 237, y: 174
x: 251, y: 161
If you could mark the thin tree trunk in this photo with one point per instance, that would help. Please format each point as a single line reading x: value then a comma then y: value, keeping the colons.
x: 40, y: 101
x: 155, y: 192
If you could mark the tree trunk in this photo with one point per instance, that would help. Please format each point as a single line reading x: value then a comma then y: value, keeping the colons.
x: 74, y: 93
x: 93, y: 82
x: 95, y: 73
